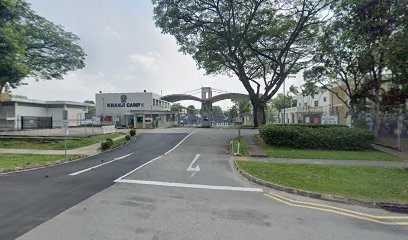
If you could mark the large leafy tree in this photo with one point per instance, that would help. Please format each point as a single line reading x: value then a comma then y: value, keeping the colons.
x: 361, y: 49
x: 259, y: 41
x: 217, y: 111
x: 32, y: 46
x: 176, y: 107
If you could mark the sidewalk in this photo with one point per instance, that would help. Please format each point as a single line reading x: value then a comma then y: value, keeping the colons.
x: 88, y: 150
x: 254, y: 149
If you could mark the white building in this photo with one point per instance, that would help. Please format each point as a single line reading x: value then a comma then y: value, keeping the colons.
x: 140, y: 109
x: 324, y: 107
x: 21, y: 113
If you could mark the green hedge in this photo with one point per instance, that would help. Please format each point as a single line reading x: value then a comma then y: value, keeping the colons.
x: 319, y: 137
x: 310, y: 125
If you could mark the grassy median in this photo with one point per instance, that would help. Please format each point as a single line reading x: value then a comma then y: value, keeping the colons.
x: 369, y: 183
x: 369, y: 155
x: 20, y: 161
x: 54, y: 144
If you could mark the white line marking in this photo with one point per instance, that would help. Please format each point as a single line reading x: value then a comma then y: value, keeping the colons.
x: 197, y: 168
x: 134, y: 170
x: 180, y: 142
x: 100, y: 165
x: 185, y: 185
x: 194, y: 173
x: 154, y: 159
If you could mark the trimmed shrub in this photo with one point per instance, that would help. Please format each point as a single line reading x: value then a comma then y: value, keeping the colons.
x: 109, y: 140
x: 310, y: 125
x: 305, y: 137
x: 106, y: 144
x: 132, y: 132
x: 127, y: 137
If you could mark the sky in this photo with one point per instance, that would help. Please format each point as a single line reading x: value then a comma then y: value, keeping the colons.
x: 125, y: 53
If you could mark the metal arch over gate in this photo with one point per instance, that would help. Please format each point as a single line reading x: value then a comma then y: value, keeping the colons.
x: 206, y: 101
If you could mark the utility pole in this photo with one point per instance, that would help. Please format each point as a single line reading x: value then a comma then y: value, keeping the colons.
x: 284, y: 102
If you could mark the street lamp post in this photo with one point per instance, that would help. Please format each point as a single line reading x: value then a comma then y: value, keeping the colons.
x: 284, y: 102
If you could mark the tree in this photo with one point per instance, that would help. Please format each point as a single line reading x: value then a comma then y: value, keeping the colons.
x: 32, y: 46
x: 176, y: 107
x: 355, y: 49
x: 191, y: 109
x: 374, y: 24
x: 260, y: 41
x: 217, y: 111
x: 281, y: 102
x: 243, y: 106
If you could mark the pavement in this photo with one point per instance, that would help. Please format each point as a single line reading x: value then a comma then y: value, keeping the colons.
x: 254, y: 149
x: 177, y: 184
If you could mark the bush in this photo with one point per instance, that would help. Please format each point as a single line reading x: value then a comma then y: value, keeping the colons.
x: 132, y: 132
x: 310, y: 125
x: 106, y: 144
x: 319, y: 137
x: 109, y: 140
x: 127, y: 137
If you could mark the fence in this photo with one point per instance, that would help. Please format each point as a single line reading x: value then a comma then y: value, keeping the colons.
x: 393, y: 132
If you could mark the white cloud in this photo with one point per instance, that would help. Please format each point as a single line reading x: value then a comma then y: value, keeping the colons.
x: 112, y: 31
x: 148, y: 61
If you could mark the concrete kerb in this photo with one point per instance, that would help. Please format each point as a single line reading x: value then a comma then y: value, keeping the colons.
x: 397, y: 207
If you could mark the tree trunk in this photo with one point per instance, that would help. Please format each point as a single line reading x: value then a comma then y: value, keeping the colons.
x: 258, y: 112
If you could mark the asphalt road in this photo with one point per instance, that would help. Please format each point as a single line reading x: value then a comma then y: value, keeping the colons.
x: 193, y: 192
x: 28, y: 199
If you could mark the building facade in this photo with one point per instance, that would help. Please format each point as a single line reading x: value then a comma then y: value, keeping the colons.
x: 139, y: 109
x: 18, y: 113
x: 324, y: 107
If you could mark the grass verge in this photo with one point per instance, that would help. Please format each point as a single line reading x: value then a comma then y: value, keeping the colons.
x: 122, y: 141
x: 368, y: 183
x: 370, y: 155
x: 54, y: 144
x: 243, y: 148
x: 10, y: 162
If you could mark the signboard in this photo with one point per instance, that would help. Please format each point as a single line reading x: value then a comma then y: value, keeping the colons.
x: 65, y: 114
x: 65, y: 126
x: 238, y: 119
x: 108, y: 129
x: 330, y: 120
x: 307, y: 119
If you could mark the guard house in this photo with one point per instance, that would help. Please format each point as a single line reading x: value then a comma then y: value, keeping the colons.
x: 138, y: 109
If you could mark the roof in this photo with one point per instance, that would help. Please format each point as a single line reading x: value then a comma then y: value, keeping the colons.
x: 33, y: 101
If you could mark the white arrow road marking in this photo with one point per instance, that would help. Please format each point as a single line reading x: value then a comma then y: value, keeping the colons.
x: 196, y: 169
x: 100, y: 165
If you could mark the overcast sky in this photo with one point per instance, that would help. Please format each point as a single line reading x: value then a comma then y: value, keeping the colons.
x: 126, y: 53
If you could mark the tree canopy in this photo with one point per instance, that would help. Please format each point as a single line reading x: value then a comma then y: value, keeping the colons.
x: 360, y: 49
x: 32, y: 46
x: 176, y: 107
x: 259, y: 41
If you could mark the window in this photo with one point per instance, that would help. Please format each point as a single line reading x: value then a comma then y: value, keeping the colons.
x: 305, y: 104
x: 316, y: 103
x: 154, y: 102
x: 300, y: 104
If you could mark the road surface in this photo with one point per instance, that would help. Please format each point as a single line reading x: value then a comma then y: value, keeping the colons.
x: 175, y: 184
